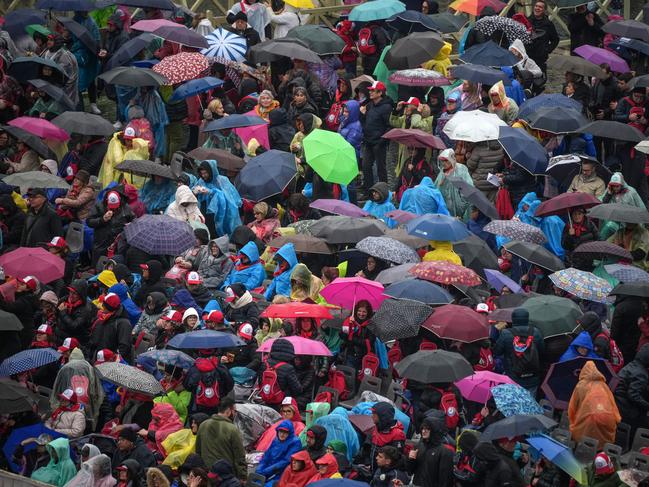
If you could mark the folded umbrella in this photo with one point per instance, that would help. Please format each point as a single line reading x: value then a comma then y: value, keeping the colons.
x: 516, y: 230
x: 552, y: 315
x: 445, y: 273
x: 476, y: 254
x: 395, y: 274
x: 458, y: 323
x: 331, y: 156
x: 411, y: 21
x: 489, y: 54
x: 612, y: 130
x: 628, y: 28
x: 627, y: 273
x: 275, y: 49
x: 234, y: 121
x: 194, y: 87
x: 517, y: 425
x: 28, y: 68
x: 449, y: 22
x: 80, y: 32
x: 142, y: 167
x: 414, y: 49
x: 473, y: 126
x: 160, y: 235
x: 205, y: 339
x: 36, y: 179
x: 557, y: 120
x: 130, y: 378
x: 376, y: 10
x: 524, y: 150
x: 40, y: 127
x: 84, y: 123
x: 561, y: 204
x: 477, y: 387
x: 266, y: 175
x: 582, y: 284
x: 345, y: 230
x: 129, y: 50
x: 297, y: 310
x: 476, y: 197
x: 547, y: 100
x: 638, y: 289
x: 437, y: 227
x: 398, y: 318
x: 597, y: 55
x: 598, y: 250
x: 28, y: 360
x: 477, y: 73
x: 182, y: 66
x: 305, y: 244
x: 320, y: 39
x: 475, y: 7
x: 301, y: 345
x: 388, y: 249
x: 225, y: 44
x: 33, y: 261
x: 170, y: 357
x: 338, y: 207
x: 575, y: 64
x: 419, y: 290
x: 224, y: 159
x: 535, y: 254
x: 434, y: 366
x: 513, y: 399
x: 418, y: 77
x: 619, y: 212
x: 560, y: 455
x: 134, y: 77
x: 495, y: 26
x: 347, y: 291
x: 498, y: 281
x: 415, y: 138
x: 54, y: 91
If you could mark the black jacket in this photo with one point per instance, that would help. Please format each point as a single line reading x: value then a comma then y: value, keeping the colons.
x: 497, y: 469
x: 114, y: 334
x: 318, y: 450
x: 248, y: 313
x: 76, y: 323
x: 376, y: 120
x: 544, y: 44
x: 591, y: 323
x: 210, y: 374
x: 632, y: 392
x: 280, y: 130
x: 41, y: 226
x: 92, y: 155
x: 283, y: 351
x: 140, y: 453
x: 105, y: 233
x: 14, y: 220
x: 152, y: 284
x: 581, y: 33
x: 433, y: 466
x: 624, y: 329
x: 23, y: 307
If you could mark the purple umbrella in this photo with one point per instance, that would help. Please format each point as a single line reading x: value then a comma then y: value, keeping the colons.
x: 498, y: 280
x: 401, y: 216
x: 338, y: 207
x: 597, y: 55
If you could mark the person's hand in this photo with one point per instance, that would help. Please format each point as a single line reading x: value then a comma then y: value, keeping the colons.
x: 143, y: 432
x: 237, y: 145
x: 108, y: 215
x: 102, y: 53
x: 525, y: 278
x: 484, y: 412
x: 633, y: 117
x: 363, y: 109
x: 321, y: 373
x: 62, y: 307
x: 412, y: 454
x: 397, y: 483
x: 58, y: 201
x: 410, y: 166
x: 571, y: 231
x: 225, y: 359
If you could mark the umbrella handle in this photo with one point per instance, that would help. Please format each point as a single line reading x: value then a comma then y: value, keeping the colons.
x: 569, y: 218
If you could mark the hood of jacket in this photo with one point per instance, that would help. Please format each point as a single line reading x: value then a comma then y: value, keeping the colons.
x: 582, y: 340
x: 155, y: 475
x: 155, y: 270
x: 282, y: 351
x: 121, y: 290
x: 528, y: 199
x: 319, y: 435
x: 590, y: 372
x: 278, y: 117
x: 185, y: 195
x: 60, y: 446
x: 591, y: 323
x: 354, y: 109
x: 250, y: 250
x: 518, y: 46
x: 287, y: 252
x: 133, y: 466
x: 383, y: 189
x: 330, y: 461
x: 190, y: 312
x: 159, y: 303
x: 286, y: 425
x: 302, y: 275
x: 498, y: 89
x: 163, y: 413
x: 107, y: 278
x: 444, y: 52
x: 449, y: 155
x: 183, y: 299
x: 310, y: 122
x: 223, y: 243
x: 81, y: 288
x: 385, y: 413
x: 486, y: 452
x: 223, y: 469
x: 7, y: 202
x: 212, y: 168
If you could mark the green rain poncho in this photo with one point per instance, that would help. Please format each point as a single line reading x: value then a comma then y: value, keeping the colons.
x: 455, y: 203
x: 314, y: 410
x: 61, y: 468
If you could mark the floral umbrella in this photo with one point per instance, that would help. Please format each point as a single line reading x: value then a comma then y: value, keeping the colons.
x: 388, y: 249
x: 445, y: 273
x: 182, y: 67
x: 584, y: 285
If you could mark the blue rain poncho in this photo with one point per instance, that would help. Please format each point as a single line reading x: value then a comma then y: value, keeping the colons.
x: 340, y: 428
x: 278, y: 454
x: 583, y: 340
x: 424, y: 198
x: 251, y: 275
x: 378, y: 209
x: 222, y: 200
x: 281, y: 284
x: 455, y: 203
x: 157, y: 196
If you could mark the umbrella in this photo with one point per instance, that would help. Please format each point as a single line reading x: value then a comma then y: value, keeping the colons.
x: 376, y: 10
x: 445, y: 273
x: 477, y: 387
x: 513, y: 399
x: 612, y: 130
x: 628, y: 28
x: 16, y: 21
x: 28, y: 68
x: 129, y: 50
x: 437, y: 227
x: 477, y: 73
x: 413, y: 50
x: 362, y: 422
x: 597, y: 250
x: 418, y: 77
x: 266, y: 175
x: 18, y: 435
x: 411, y: 21
x: 66, y: 5
x: 473, y: 126
x: 301, y: 345
x: 401, y: 216
x: 458, y: 323
x: 154, y: 24
x: 40, y: 127
x: 501, y: 314
x: 517, y: 425
x: 489, y: 54
x: 547, y: 100
x: 224, y: 159
x: 582, y: 284
x: 574, y: 64
x: 597, y: 55
x: 35, y: 179
x: 552, y: 315
x: 152, y: 4
x: 434, y: 366
x: 398, y: 318
x: 28, y: 360
x: 303, y: 244
x: 524, y: 150
x: 448, y: 22
x: 301, y: 3
x: 160, y: 235
x: 627, y: 273
x: 395, y: 274
x: 9, y: 322
x: 297, y: 310
x: 83, y: 123
x: 565, y: 168
x: 134, y: 77
x: 415, y: 138
x: 476, y: 254
x: 560, y: 455
x: 498, y: 281
x: 566, y: 201
x: 509, y: 28
x: 168, y: 356
x: 130, y: 378
x: 233, y: 122
x: 182, y: 67
x: 16, y: 398
x: 562, y: 378
x: 338, y: 207
x: 345, y: 230
x: 639, y: 289
x: 331, y: 156
x: 275, y: 49
x: 512, y: 300
x: 142, y: 167
x: 619, y: 212
x: 557, y: 120
x: 33, y: 261
x: 363, y: 78
x: 516, y: 230
x: 388, y: 249
x: 80, y: 32
x: 182, y: 35
x: 318, y: 38
x: 475, y: 7
x: 205, y: 339
x: 622, y: 45
x: 476, y: 197
x: 411, y: 241
x: 53, y: 91
x: 225, y: 45
x: 419, y: 290
x: 535, y: 254
x: 194, y: 87
x: 347, y: 291
x: 31, y: 140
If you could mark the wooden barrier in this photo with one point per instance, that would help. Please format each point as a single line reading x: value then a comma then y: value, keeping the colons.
x: 8, y: 479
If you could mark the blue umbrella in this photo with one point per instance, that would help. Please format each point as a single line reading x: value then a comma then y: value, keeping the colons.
x: 66, y: 5
x: 145, y: 63
x: 226, y: 45
x: 194, y: 87
x: 233, y: 122
x: 419, y: 290
x: 547, y: 101
x: 411, y: 21
x: 437, y: 227
x: 498, y: 280
x: 524, y: 150
x: 171, y: 357
x: 513, y: 399
x: 627, y: 273
x: 480, y: 74
x: 266, y: 175
x: 17, y: 20
x: 160, y: 235
x: 205, y: 339
x: 129, y: 50
x: 623, y: 44
x: 28, y: 360
x: 489, y: 54
x: 376, y: 10
x: 560, y: 455
x: 19, y: 434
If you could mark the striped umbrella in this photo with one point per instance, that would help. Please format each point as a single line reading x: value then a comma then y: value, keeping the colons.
x: 225, y: 44
x: 28, y: 360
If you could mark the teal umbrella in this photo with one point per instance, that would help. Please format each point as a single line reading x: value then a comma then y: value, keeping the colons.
x: 376, y: 10
x: 552, y: 315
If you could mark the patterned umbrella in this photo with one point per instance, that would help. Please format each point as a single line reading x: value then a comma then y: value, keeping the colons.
x: 225, y: 44
x: 418, y: 77
x: 182, y: 67
x: 627, y: 273
x: 511, y: 29
x: 303, y: 227
x: 399, y: 318
x: 395, y: 274
x: 171, y: 357
x: 28, y: 360
x: 584, y: 285
x: 597, y: 250
x: 516, y: 230
x: 160, y: 235
x: 513, y: 399
x: 445, y: 273
x: 388, y: 249
x: 130, y: 378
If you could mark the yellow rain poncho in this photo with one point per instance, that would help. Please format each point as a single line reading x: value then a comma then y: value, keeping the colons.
x: 442, y: 250
x: 442, y: 61
x: 179, y: 446
x: 118, y: 153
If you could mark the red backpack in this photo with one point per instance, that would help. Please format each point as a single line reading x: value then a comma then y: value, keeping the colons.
x: 369, y: 364
x: 366, y: 43
x: 332, y: 120
x: 270, y: 391
x: 617, y: 359
x: 337, y: 381
x: 207, y: 390
x: 486, y: 361
x: 448, y: 405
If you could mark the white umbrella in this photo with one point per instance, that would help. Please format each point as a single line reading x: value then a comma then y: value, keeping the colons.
x: 643, y: 146
x: 473, y: 126
x: 225, y: 44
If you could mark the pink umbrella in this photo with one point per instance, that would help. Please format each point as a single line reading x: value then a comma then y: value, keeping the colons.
x: 40, y: 128
x: 401, y: 216
x: 347, y: 291
x: 597, y: 55
x: 33, y: 261
x: 339, y: 207
x: 151, y: 25
x: 258, y: 132
x: 477, y: 387
x: 302, y: 346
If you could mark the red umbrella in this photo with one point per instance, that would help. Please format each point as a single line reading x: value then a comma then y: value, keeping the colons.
x: 445, y: 273
x: 458, y: 323
x: 566, y: 201
x: 182, y: 67
x: 415, y: 138
x: 297, y: 310
x: 28, y: 261
x: 40, y: 128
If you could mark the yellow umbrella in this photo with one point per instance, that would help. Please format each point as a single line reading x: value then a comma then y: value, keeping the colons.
x: 300, y: 3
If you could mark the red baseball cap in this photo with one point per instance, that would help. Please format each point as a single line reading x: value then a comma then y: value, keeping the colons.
x: 377, y: 85
x: 58, y: 242
x: 173, y: 315
x: 30, y: 281
x: 413, y: 100
x: 47, y: 329
x: 69, y: 344
x: 104, y: 355
x: 194, y: 278
x: 113, y: 200
x: 214, y: 316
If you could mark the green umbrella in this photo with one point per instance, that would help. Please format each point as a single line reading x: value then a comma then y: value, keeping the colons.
x: 331, y: 156
x: 376, y: 10
x: 41, y: 29
x: 552, y: 315
x: 318, y: 38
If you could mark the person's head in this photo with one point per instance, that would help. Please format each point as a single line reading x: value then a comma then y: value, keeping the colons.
x: 570, y: 88
x: 639, y: 95
x: 282, y: 433
x: 204, y: 174
x: 287, y: 410
x: 603, y: 465
x: 539, y: 9
x: 371, y: 264
x: 194, y: 281
x: 468, y: 86
x: 387, y: 457
x: 44, y: 333
x: 226, y: 408
x: 578, y: 215
x: 616, y: 184
x: 240, y: 21
x: 297, y: 465
x: 126, y: 439
x: 49, y: 301
x: 265, y: 99
x: 260, y: 211
x: 363, y: 310
x: 26, y: 284
x: 425, y: 7
x: 329, y: 274
x: 623, y: 81
x: 299, y: 124
x: 377, y: 91
x: 36, y: 198
x: 81, y: 179
x: 299, y: 96
x: 190, y: 318
x: 606, y: 70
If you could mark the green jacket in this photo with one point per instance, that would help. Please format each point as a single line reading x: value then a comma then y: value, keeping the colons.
x: 218, y: 438
x: 179, y: 400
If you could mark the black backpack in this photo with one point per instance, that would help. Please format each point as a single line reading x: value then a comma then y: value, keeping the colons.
x: 525, y: 361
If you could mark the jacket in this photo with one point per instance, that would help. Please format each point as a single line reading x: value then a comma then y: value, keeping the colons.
x: 79, y: 204
x: 376, y: 121
x: 623, y: 325
x: 526, y: 64
x: 14, y: 221
x: 140, y: 453
x: 301, y: 478
x: 243, y: 310
x: 251, y: 275
x: 505, y: 348
x: 152, y: 284
x: 350, y: 127
x: 41, y: 227
x: 219, y: 439
x: 70, y: 423
x: 544, y: 43
x: 60, y: 468
x: 278, y: 455
x: 280, y: 131
x: 583, y: 340
x: 114, y: 334
x: 23, y: 307
x: 423, y: 198
x: 281, y: 284
x: 485, y: 157
x: 105, y: 233
x: 212, y: 269
x: 632, y: 392
x: 209, y: 372
x: 190, y: 212
x: 74, y: 322
x: 129, y: 306
x: 92, y: 155
x: 497, y: 470
x: 283, y: 351
x: 433, y: 466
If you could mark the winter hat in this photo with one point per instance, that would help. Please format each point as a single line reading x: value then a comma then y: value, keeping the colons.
x: 194, y: 278
x: 214, y: 316
x: 520, y: 317
x: 30, y: 281
x: 111, y: 301
x: 246, y: 331
x: 51, y: 166
x: 603, y: 464
x: 240, y: 16
x: 173, y: 315
x: 189, y: 312
x: 69, y: 344
x: 616, y: 179
x: 50, y: 297
x: 47, y: 329
x: 128, y: 434
x: 83, y: 176
x: 104, y: 355
x: 68, y: 395
x: 58, y: 242
x: 113, y: 200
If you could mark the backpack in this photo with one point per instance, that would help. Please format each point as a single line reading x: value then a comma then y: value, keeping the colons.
x: 270, y: 391
x: 448, y: 405
x: 525, y: 361
x: 369, y: 364
x: 79, y: 385
x: 207, y: 390
x: 337, y: 381
x: 617, y: 359
x: 486, y: 361
x: 332, y: 120
x: 366, y: 45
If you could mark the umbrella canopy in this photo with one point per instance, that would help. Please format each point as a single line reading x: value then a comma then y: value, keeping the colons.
x: 318, y: 38
x: 476, y: 254
x: 627, y: 273
x: 524, y: 150
x: 401, y: 216
x: 535, y: 254
x: 153, y: 4
x: 275, y: 49
x: 448, y: 22
x: 458, y: 323
x: 345, y: 230
x: 411, y: 21
x: 53, y: 91
x: 83, y: 123
x: 40, y: 127
x: 142, y: 167
x: 395, y: 274
x: 347, y: 291
x: 476, y: 197
x: 517, y: 425
x: 619, y: 212
x: 418, y: 77
x: 475, y: 7
x: 66, y: 5
x: 129, y: 50
x: 16, y: 21
x: 266, y: 175
x: 28, y: 68
x: 489, y: 54
x: 562, y: 378
x: 36, y: 179
x: 597, y: 250
x: 398, y: 318
x: 557, y: 120
x: 33, y: 261
x: 28, y: 360
x: 297, y: 310
x: 305, y: 244
x: 597, y: 55
x: 376, y: 10
x: 182, y: 35
x: 445, y: 273
x: 154, y: 24
x: 547, y: 100
x: 477, y: 73
x: 224, y: 160
x: 194, y: 87
x: 130, y: 378
x: 403, y: 237
x: 388, y: 249
x: 434, y: 366
x: 413, y: 50
x: 437, y: 227
x: 612, y: 130
x: 565, y: 202
x: 640, y: 81
x: 628, y: 28
x: 160, y: 235
x: 16, y: 399
x: 622, y: 45
x: 168, y: 356
x: 496, y: 26
x: 501, y: 314
x: 498, y: 281
x: 516, y: 230
x: 331, y: 156
x: 419, y: 290
x: 134, y: 77
x: 577, y: 65
x: 582, y: 284
x: 552, y: 315
x: 205, y: 339
x: 80, y: 32
x: 226, y: 45
x: 513, y: 399
x: 415, y: 138
x: 473, y: 126
x: 32, y: 141
x: 477, y: 387
x: 339, y: 207
x: 233, y: 122
x: 560, y: 455
x: 565, y: 168
x: 182, y: 66
x: 512, y: 300
x: 9, y: 322
x: 301, y: 345
x: 639, y: 289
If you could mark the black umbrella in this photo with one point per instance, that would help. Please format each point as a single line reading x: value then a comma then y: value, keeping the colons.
x: 411, y: 21
x: 489, y: 54
x: 234, y: 121
x: 129, y: 50
x: 476, y: 197
x: 535, y: 254
x: 476, y: 254
x: 275, y: 49
x: 640, y: 81
x: 413, y: 50
x: 32, y: 141
x: 80, y: 32
x: 9, y: 322
x: 16, y: 398
x: 612, y: 130
x: 628, y: 28
x: 399, y: 318
x: 266, y: 175
x: 224, y: 160
x: 17, y: 20
x: 512, y: 300
x: 448, y: 23
x: 318, y: 38
x: 84, y: 123
x: 575, y: 64
x: 557, y: 120
x: 638, y: 288
x: 434, y: 367
x: 346, y: 230
x: 27, y: 68
x: 181, y: 35
x: 565, y: 168
x: 53, y: 91
x: 517, y: 425
x: 478, y: 73
x: 155, y: 4
x: 135, y: 77
x: 597, y: 250
x: 145, y: 168
x: 619, y: 212
x: 623, y: 44
x: 66, y: 5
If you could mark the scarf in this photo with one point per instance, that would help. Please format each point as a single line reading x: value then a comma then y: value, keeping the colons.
x: 102, y: 317
x: 40, y: 344
x: 281, y: 269
x: 579, y: 228
x: 296, y: 215
x: 265, y: 112
x: 62, y: 409
x: 71, y: 305
x: 356, y: 329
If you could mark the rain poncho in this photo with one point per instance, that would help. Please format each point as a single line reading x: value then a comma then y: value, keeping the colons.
x: 307, y: 286
x: 514, y: 90
x: 61, y: 468
x: 269, y: 435
x: 131, y: 308
x: 592, y: 409
x: 340, y: 428
x: 164, y: 421
x: 506, y: 109
x: 94, y: 472
x: 281, y: 283
x: 179, y: 400
x: 212, y: 269
x: 118, y: 153
x: 442, y: 250
x: 178, y: 446
x: 252, y: 274
x: 424, y: 198
x: 87, y: 60
x: 278, y: 455
x: 184, y: 206
x: 583, y: 340
x: 156, y: 113
x: 156, y: 196
x: 378, y: 209
x: 626, y: 196
x: 442, y: 61
x: 314, y: 411
x: 455, y: 203
x: 302, y: 477
x: 525, y: 64
x: 222, y: 200
x: 636, y: 240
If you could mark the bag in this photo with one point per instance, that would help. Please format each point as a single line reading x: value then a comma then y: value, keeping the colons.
x: 525, y: 362
x: 79, y: 385
x: 366, y: 44
x: 486, y: 361
x: 270, y: 391
x: 504, y: 204
x: 337, y: 381
x: 448, y: 405
x: 617, y: 359
x: 332, y: 120
x: 207, y: 391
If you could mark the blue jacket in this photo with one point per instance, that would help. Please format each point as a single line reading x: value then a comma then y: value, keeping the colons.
x: 158, y: 196
x: 424, y: 198
x: 87, y: 60
x: 583, y: 340
x: 351, y: 128
x: 131, y: 308
x: 252, y: 275
x: 278, y: 454
x: 576, y: 144
x: 515, y: 90
x: 282, y: 284
x: 183, y: 299
x: 379, y: 209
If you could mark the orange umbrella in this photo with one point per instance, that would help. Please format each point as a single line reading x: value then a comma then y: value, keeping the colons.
x: 475, y: 7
